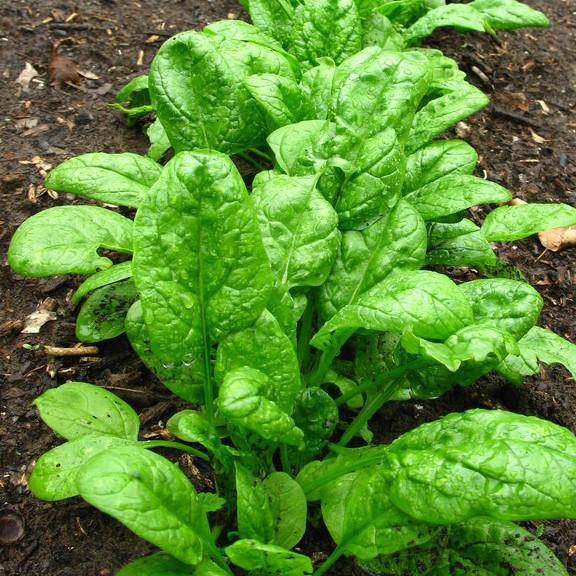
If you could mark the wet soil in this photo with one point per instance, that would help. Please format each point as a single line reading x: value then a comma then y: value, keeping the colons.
x: 526, y: 140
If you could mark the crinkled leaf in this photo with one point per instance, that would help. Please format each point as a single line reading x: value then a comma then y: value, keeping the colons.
x: 514, y: 222
x: 280, y: 98
x: 254, y: 515
x: 513, y: 467
x: 243, y: 401
x: 437, y: 159
x: 451, y: 194
x: 266, y: 347
x: 199, y: 262
x: 506, y: 304
x: 365, y: 258
x: 111, y: 275
x: 54, y: 474
x: 196, y: 84
x: 509, y: 14
x: 482, y: 546
x: 77, y: 409
x: 378, y: 30
x: 462, y: 16
x: 539, y: 345
x: 377, y: 89
x: 458, y: 244
x: 299, y: 228
x: 183, y: 379
x: 427, y: 302
x: 374, y: 187
x: 317, y: 85
x: 325, y: 28
x: 151, y: 496
x: 120, y: 179
x: 297, y: 147
x: 315, y: 413
x: 273, y: 17
x: 103, y: 315
x: 66, y: 240
x: 460, y: 101
x: 268, y: 558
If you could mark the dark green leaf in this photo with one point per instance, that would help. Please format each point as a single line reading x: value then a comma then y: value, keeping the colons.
x: 103, y: 315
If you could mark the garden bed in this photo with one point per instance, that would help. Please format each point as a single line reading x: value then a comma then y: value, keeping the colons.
x: 525, y: 140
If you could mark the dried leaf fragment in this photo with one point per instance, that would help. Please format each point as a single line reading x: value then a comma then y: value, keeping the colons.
x: 43, y: 314
x: 26, y: 76
x: 557, y: 239
x: 62, y: 70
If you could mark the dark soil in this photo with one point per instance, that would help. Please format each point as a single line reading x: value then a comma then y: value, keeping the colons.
x: 526, y: 141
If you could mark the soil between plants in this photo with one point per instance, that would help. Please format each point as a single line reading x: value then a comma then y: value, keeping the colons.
x: 526, y: 141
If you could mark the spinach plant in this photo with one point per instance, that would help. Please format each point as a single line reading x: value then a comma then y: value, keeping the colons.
x: 288, y: 315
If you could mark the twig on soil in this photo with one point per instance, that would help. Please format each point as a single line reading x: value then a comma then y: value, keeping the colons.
x: 77, y: 351
x: 495, y: 111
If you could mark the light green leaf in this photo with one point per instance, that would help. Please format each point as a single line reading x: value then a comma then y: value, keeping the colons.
x: 325, y: 28
x: 365, y: 258
x: 135, y: 85
x: 289, y: 509
x: 243, y: 401
x: 103, y: 315
x: 254, y: 515
x: 379, y: 31
x: 316, y: 414
x: 437, y: 159
x: 159, y: 142
x: 120, y: 179
x: 299, y: 229
x: 506, y: 304
x: 317, y: 85
x: 345, y: 386
x: 462, y: 16
x: 451, y: 194
x: 192, y: 297
x: 264, y: 346
x: 460, y: 101
x: 182, y: 378
x: 458, y: 244
x: 509, y: 14
x: 196, y: 85
x: 374, y: 186
x: 539, y: 345
x: 152, y: 497
x: 273, y: 17
x: 298, y: 147
x: 514, y: 222
x: 66, y: 240
x: 77, y: 409
x: 280, y: 98
x: 54, y: 474
x: 427, y: 302
x: 111, y: 275
x: 193, y: 426
x: 159, y: 564
x: 255, y: 556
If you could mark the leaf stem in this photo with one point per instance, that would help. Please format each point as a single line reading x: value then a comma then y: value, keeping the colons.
x: 285, y: 458
x: 330, y: 561
x: 176, y: 446
x: 328, y: 356
x: 370, y: 408
x: 370, y: 385
x: 262, y: 154
x: 251, y: 160
x: 305, y: 335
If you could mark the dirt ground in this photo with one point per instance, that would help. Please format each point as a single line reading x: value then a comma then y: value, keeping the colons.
x: 526, y: 140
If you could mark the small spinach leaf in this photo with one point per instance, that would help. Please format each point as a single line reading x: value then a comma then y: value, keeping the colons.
x: 111, y: 275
